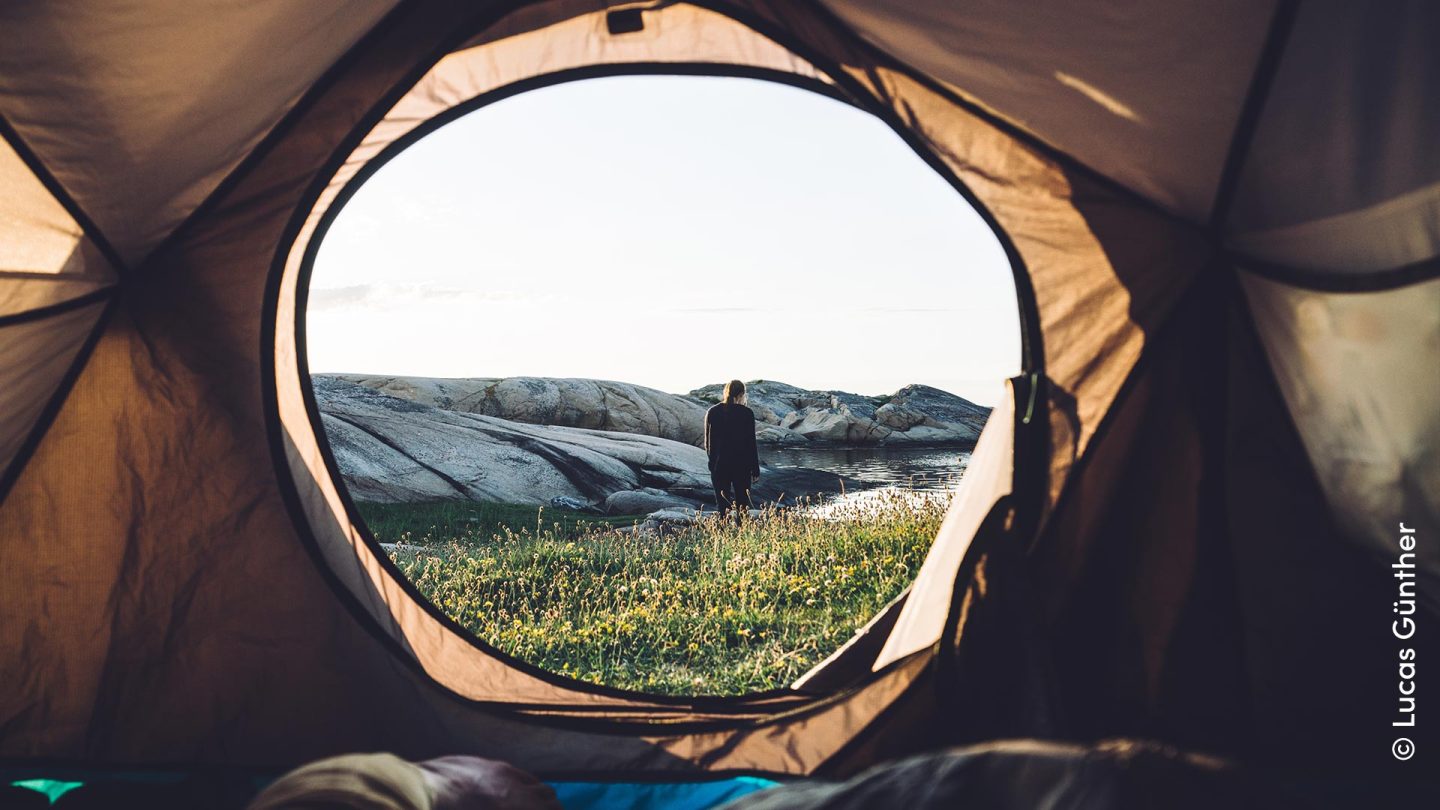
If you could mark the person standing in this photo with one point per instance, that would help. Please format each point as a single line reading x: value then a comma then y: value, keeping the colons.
x: 730, y: 443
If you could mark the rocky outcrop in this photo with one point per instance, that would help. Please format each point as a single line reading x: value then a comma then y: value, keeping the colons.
x: 785, y: 414
x: 567, y: 402
x: 837, y: 425
x: 942, y: 406
x: 916, y: 414
x: 393, y: 449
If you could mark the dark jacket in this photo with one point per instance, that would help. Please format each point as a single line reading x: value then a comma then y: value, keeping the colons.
x: 730, y: 441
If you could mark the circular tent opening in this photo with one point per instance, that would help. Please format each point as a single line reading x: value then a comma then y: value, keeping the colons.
x: 516, y: 321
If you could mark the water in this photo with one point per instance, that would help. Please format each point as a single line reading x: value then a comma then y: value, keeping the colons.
x: 924, y: 469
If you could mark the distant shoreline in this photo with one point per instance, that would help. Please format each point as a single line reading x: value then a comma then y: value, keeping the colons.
x: 823, y: 444
x: 612, y: 445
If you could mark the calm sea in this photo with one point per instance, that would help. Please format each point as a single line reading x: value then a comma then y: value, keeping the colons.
x: 919, y: 468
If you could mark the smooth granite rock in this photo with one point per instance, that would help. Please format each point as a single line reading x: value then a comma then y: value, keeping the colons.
x: 565, y: 402
x: 916, y: 414
x: 398, y: 450
x: 785, y: 414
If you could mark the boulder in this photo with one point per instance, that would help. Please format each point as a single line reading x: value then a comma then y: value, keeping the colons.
x: 681, y: 515
x: 942, y: 406
x: 562, y: 401
x: 770, y: 400
x: 860, y: 407
x: 784, y: 486
x: 776, y: 435
x: 668, y: 521
x: 919, y: 414
x: 643, y: 501
x: 573, y: 504
x: 942, y: 434
x: 839, y: 426
x: 901, y: 417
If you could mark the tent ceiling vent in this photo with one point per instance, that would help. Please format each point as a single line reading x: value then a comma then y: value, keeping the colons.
x: 625, y: 21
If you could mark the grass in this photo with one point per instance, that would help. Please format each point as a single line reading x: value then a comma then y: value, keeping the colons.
x: 709, y: 609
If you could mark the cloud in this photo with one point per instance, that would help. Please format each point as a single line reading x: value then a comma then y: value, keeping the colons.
x: 721, y: 310
x: 403, y: 296
x: 911, y: 309
x: 811, y: 309
x: 392, y: 297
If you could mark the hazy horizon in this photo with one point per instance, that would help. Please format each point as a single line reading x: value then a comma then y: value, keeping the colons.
x: 682, y: 391
x: 671, y: 232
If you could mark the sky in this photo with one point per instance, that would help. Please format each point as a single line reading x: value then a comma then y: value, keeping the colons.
x: 671, y: 232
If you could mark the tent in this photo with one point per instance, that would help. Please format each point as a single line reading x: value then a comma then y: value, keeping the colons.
x: 1224, y: 220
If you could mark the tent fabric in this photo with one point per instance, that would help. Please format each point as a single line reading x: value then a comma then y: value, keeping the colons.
x: 45, y: 257
x: 1081, y: 77
x: 1133, y: 582
x: 1365, y: 410
x: 53, y: 281
x: 1350, y: 97
x: 1353, y: 97
x: 26, y: 296
x: 160, y: 103
x: 186, y: 581
x: 40, y: 235
x: 1393, y: 234
x: 921, y: 622
x: 1193, y: 581
x: 1287, y: 551
x: 39, y: 354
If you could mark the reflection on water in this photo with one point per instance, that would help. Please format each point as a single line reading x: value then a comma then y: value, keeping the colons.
x: 926, y: 469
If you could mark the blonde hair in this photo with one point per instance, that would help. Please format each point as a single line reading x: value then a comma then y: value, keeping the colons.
x: 734, y: 393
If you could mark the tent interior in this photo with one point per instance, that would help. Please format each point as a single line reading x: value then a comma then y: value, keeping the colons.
x: 1204, y: 516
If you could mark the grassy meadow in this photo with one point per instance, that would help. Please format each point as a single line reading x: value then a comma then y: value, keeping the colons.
x: 708, y: 609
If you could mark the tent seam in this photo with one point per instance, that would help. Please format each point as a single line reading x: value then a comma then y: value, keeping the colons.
x: 1267, y: 66
x: 53, y: 406
x: 61, y: 195
x: 278, y: 131
x: 1117, y: 402
x: 51, y: 310
x: 1014, y: 130
x: 1340, y: 283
